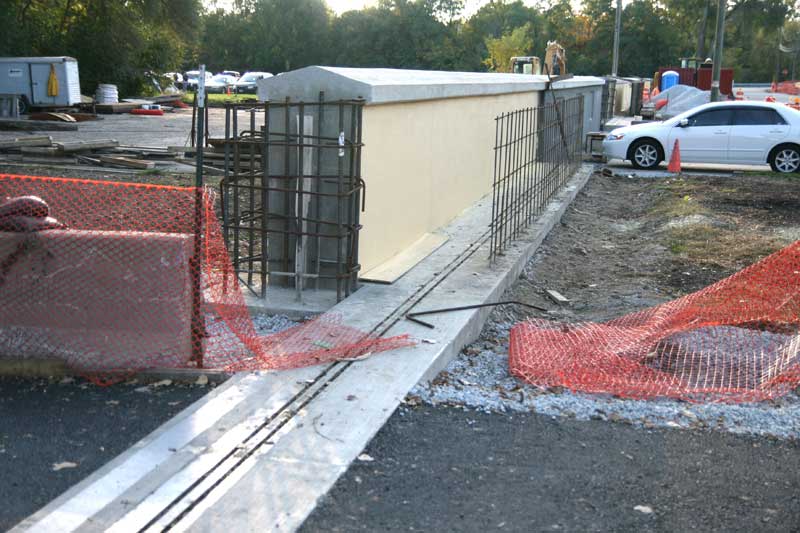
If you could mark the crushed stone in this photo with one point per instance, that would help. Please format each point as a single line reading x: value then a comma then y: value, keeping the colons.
x: 269, y: 324
x: 479, y: 379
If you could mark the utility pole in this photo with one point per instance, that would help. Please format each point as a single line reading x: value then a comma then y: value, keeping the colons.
x: 617, y: 27
x: 722, y: 6
x: 701, y: 34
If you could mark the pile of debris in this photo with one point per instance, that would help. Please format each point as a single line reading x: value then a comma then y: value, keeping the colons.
x: 101, y: 152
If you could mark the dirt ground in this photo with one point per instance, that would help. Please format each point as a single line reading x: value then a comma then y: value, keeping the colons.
x: 464, y: 455
x: 626, y: 244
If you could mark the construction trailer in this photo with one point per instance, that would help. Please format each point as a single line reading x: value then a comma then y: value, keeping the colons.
x: 41, y: 81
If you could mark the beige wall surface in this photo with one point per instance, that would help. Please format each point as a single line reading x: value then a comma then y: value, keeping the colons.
x: 424, y: 163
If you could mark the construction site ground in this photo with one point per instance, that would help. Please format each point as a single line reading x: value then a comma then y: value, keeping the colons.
x: 55, y: 432
x: 623, y: 245
x: 476, y: 449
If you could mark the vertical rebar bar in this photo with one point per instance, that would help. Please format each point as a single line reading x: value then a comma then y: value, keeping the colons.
x: 318, y: 187
x: 339, y: 175
x: 285, y: 182
x: 265, y: 203
x: 251, y: 174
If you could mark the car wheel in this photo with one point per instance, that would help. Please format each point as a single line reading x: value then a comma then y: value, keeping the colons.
x: 22, y: 105
x: 646, y: 154
x: 785, y: 159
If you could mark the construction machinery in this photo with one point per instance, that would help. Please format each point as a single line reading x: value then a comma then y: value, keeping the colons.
x: 526, y: 65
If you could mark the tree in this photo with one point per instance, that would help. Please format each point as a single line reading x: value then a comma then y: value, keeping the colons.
x: 502, y: 49
x: 114, y: 42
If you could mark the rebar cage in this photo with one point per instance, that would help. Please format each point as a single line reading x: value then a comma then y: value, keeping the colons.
x: 292, y: 193
x: 536, y: 150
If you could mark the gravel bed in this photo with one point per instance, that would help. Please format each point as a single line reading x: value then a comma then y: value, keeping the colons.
x: 479, y: 379
x: 615, y: 252
x: 269, y: 324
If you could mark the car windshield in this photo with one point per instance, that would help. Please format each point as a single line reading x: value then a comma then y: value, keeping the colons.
x: 251, y: 77
x: 221, y: 78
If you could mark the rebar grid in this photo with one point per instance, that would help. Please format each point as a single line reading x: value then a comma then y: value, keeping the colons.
x: 536, y: 150
x: 292, y: 194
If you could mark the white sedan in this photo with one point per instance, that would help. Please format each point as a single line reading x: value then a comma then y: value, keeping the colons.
x: 742, y: 133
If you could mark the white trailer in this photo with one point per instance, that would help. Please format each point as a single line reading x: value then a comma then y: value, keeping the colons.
x: 27, y: 77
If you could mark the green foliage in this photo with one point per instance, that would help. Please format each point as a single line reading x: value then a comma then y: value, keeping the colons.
x: 501, y: 49
x: 119, y: 41
x: 114, y: 42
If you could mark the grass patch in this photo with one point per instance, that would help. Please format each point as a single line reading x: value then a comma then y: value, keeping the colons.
x: 706, y: 244
x: 215, y: 100
x: 678, y: 204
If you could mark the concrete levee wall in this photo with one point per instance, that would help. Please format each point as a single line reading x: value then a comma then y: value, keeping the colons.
x: 425, y: 162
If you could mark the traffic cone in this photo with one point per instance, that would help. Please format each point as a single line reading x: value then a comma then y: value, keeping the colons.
x: 739, y: 94
x: 675, y: 159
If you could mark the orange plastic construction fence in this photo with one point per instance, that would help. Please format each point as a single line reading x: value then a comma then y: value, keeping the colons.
x: 114, y: 278
x: 736, y: 340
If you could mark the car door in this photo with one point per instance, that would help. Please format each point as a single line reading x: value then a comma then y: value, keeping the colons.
x: 704, y: 138
x: 755, y: 130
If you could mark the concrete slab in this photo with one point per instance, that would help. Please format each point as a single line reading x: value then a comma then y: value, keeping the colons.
x: 699, y: 169
x: 268, y: 446
x: 284, y: 301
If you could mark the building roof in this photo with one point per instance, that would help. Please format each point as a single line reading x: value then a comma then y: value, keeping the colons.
x: 49, y: 59
x: 384, y: 85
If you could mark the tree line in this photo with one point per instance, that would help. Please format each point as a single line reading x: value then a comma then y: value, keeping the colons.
x: 120, y: 41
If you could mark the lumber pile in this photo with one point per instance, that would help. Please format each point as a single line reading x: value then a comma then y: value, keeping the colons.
x: 42, y: 149
x: 101, y: 152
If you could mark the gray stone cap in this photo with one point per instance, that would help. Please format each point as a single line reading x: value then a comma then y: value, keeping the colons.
x: 53, y: 59
x: 385, y: 85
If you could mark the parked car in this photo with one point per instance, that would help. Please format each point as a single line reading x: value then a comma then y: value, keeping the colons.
x: 750, y: 133
x: 220, y: 83
x: 234, y: 73
x: 247, y: 83
x: 191, y: 78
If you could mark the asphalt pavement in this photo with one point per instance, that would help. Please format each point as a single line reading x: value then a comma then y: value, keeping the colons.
x: 55, y: 433
x: 446, y: 469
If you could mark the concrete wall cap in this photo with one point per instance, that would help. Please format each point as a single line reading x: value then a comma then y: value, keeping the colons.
x: 385, y: 85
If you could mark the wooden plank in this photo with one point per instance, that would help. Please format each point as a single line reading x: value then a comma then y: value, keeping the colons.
x: 557, y: 297
x: 83, y: 146
x: 122, y: 107
x: 89, y: 160
x: 39, y: 140
x: 126, y: 162
x: 31, y: 159
x: 36, y: 125
x: 51, y: 115
x: 40, y: 150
